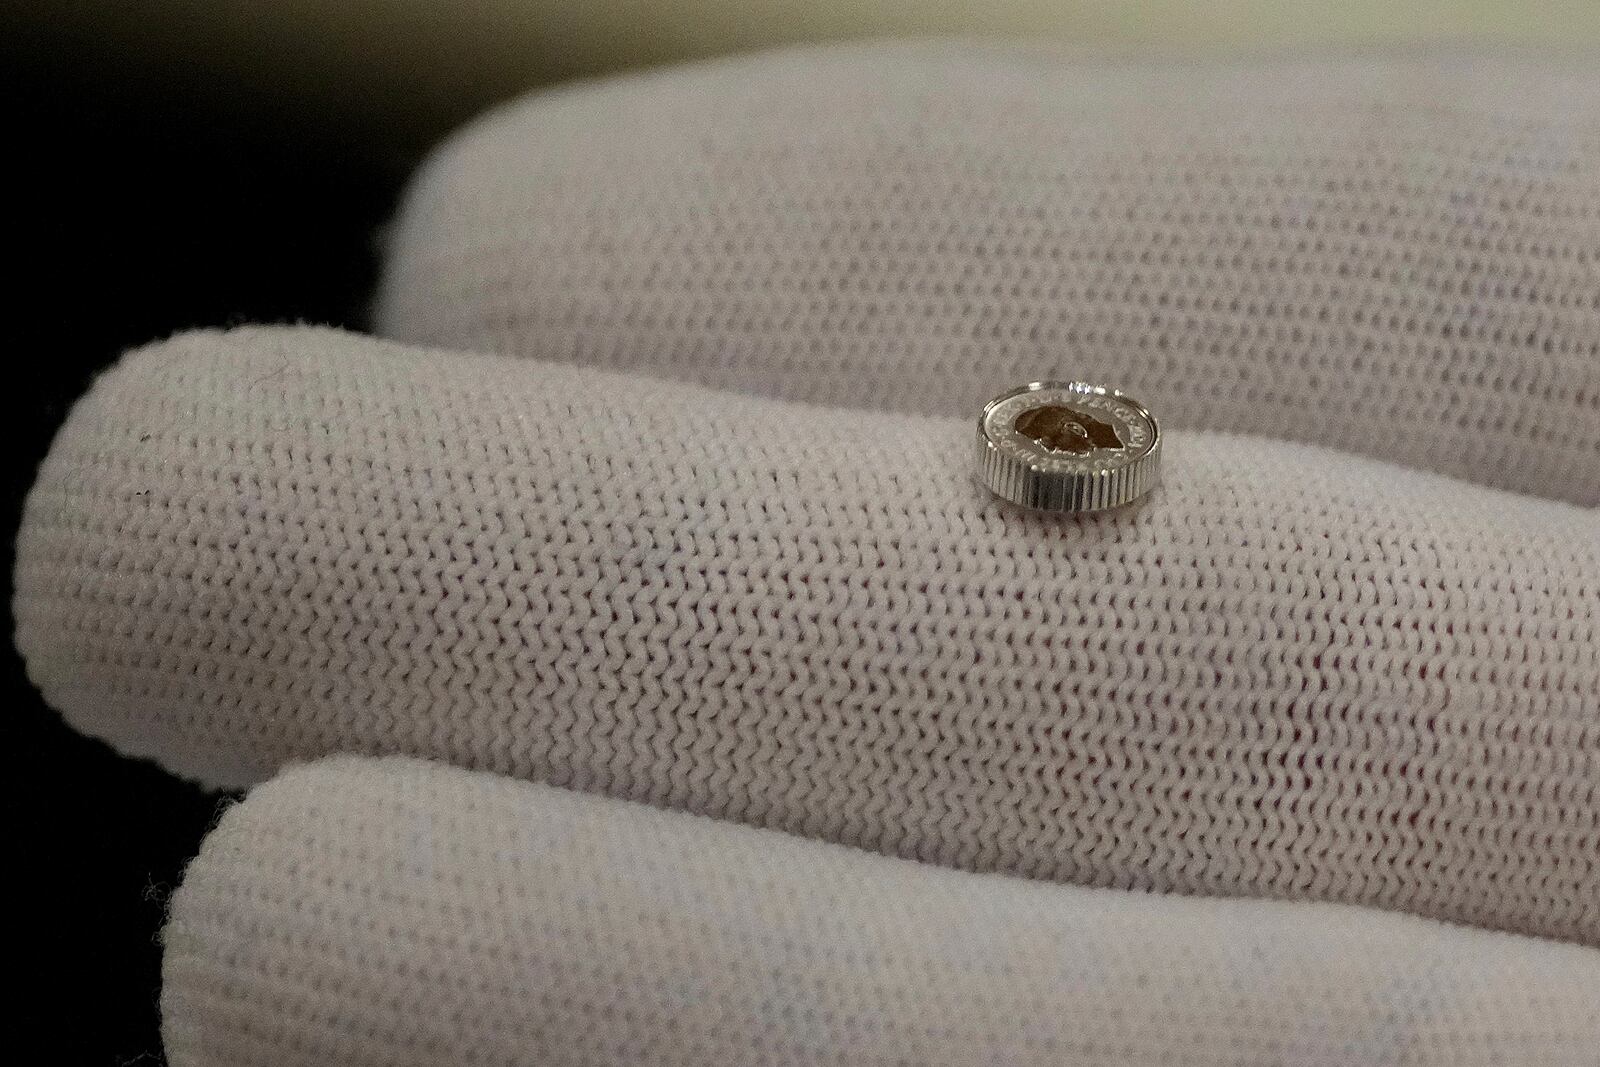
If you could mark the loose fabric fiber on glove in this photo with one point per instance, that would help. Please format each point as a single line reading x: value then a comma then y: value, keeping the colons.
x: 1398, y: 256
x: 393, y: 913
x: 1290, y: 673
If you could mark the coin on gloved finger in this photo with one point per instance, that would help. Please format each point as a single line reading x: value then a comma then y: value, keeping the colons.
x: 1068, y: 446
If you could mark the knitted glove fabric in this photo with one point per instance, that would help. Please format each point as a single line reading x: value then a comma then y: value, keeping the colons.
x: 1398, y: 257
x: 661, y: 490
x: 391, y: 913
x: 1291, y: 673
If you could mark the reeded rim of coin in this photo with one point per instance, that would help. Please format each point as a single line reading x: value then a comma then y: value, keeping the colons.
x: 1068, y: 446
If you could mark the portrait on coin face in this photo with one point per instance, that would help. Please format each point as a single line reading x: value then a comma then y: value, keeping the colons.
x: 1064, y: 429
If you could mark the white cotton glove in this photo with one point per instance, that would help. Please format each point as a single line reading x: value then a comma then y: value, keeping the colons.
x: 1292, y: 672
x: 364, y: 912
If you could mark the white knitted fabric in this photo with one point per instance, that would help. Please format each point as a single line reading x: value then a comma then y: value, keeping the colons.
x: 1290, y: 673
x: 368, y: 913
x: 1396, y: 256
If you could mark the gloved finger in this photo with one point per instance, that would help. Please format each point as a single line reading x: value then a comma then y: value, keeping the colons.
x: 1395, y: 256
x: 1289, y: 673
x: 394, y: 912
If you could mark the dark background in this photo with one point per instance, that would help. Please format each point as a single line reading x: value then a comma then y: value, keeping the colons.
x: 142, y: 201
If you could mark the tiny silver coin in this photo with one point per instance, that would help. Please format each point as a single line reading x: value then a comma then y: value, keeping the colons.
x: 1068, y: 446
